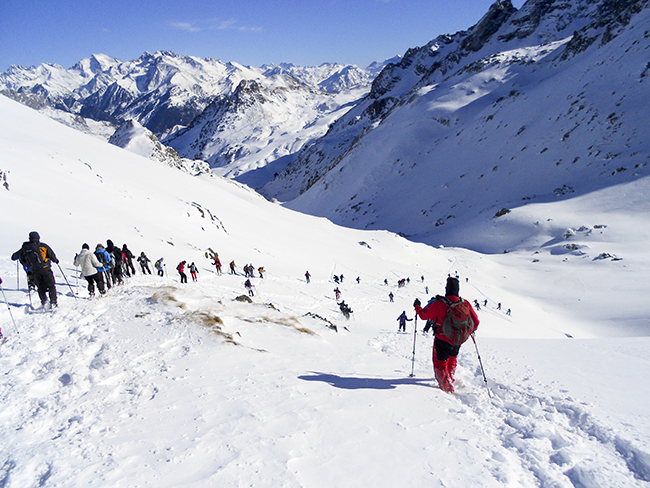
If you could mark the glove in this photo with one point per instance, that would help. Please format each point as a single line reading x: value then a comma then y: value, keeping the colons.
x: 0, y: 281
x: 416, y: 303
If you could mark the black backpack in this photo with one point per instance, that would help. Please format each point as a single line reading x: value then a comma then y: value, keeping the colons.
x: 458, y: 324
x: 101, y: 257
x: 34, y: 257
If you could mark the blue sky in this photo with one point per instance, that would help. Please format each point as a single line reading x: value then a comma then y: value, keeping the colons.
x: 250, y: 32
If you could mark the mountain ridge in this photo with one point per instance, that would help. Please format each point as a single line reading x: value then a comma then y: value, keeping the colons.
x: 466, y: 121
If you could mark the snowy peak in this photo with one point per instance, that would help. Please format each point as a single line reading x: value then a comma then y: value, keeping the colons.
x: 481, y: 33
x: 166, y: 92
x: 261, y: 122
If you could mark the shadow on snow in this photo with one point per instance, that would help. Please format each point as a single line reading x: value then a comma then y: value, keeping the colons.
x: 358, y: 383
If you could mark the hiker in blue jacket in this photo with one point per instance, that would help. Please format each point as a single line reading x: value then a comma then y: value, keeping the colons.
x: 402, y: 322
x: 104, y: 257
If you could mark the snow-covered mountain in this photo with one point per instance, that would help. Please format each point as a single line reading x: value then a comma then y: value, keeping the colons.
x: 533, y: 105
x: 160, y: 91
x: 165, y: 92
x: 260, y: 126
x: 173, y: 385
x: 330, y: 77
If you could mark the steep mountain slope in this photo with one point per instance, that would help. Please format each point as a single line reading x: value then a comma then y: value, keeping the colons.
x: 168, y: 385
x: 527, y: 106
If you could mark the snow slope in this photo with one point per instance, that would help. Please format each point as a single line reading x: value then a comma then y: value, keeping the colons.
x: 550, y: 106
x: 169, y: 385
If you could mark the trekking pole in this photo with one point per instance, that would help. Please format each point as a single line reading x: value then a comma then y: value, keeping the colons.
x: 17, y: 277
x: 415, y: 333
x: 481, y: 364
x: 66, y: 280
x: 8, y: 308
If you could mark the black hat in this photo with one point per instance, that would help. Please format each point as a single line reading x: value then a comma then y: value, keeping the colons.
x: 33, y: 236
x: 85, y: 246
x: 453, y: 287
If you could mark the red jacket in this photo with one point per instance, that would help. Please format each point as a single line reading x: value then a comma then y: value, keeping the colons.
x: 437, y: 310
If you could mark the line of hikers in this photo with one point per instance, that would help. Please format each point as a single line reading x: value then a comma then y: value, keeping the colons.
x: 104, y: 267
x: 108, y: 265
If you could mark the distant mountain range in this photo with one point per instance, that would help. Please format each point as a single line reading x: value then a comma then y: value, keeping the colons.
x: 168, y: 94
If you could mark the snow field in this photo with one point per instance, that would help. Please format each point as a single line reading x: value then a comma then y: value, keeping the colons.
x: 169, y: 385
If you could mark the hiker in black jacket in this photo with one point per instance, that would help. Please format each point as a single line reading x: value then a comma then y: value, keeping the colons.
x: 39, y: 256
x: 117, y: 270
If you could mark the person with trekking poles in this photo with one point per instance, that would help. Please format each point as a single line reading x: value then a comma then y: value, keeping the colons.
x: 90, y: 270
x: 454, y: 321
x: 39, y: 257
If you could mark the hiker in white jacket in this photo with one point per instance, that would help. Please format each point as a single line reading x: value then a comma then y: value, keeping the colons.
x: 89, y: 269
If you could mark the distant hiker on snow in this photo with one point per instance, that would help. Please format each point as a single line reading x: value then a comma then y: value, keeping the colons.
x: 107, y: 263
x: 337, y: 293
x: 454, y: 321
x: 307, y: 276
x: 117, y: 271
x: 193, y: 271
x: 428, y: 325
x: 38, y: 257
x: 144, y: 261
x: 249, y: 287
x: 159, y: 266
x: 232, y: 267
x: 402, y: 322
x: 90, y: 269
x: 217, y: 264
x: 128, y: 261
x: 345, y: 309
x: 181, y: 271
x: 391, y: 296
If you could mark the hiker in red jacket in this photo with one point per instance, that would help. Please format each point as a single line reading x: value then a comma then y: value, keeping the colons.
x: 181, y: 271
x: 450, y: 332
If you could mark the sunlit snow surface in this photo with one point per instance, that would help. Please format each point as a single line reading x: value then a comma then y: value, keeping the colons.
x: 159, y: 384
